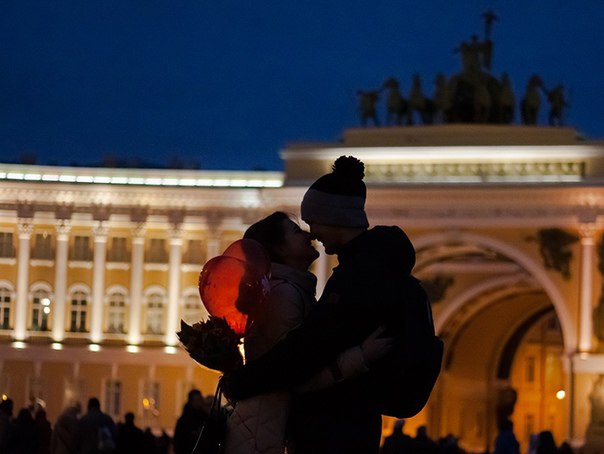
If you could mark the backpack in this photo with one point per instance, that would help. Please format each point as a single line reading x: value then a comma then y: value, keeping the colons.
x: 105, y: 443
x: 405, y: 379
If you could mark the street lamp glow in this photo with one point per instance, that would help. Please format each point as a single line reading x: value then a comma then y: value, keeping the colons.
x: 560, y: 394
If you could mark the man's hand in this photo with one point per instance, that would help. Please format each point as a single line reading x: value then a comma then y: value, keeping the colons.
x: 375, y: 347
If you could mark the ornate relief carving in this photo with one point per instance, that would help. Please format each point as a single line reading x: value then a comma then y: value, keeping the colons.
x: 555, y: 249
x: 436, y: 287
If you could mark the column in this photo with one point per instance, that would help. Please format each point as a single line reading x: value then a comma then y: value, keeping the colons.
x: 98, y: 282
x: 586, y: 306
x: 136, y: 284
x: 25, y: 230
x: 58, y: 320
x: 213, y: 223
x: 175, y: 259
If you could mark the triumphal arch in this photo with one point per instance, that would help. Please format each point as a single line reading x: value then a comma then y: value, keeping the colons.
x: 99, y: 265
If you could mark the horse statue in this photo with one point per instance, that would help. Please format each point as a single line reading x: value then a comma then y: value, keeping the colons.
x: 367, y: 103
x: 442, y: 99
x: 507, y: 101
x: 397, y: 107
x: 482, y: 103
x: 557, y: 102
x: 419, y: 103
x: 531, y: 102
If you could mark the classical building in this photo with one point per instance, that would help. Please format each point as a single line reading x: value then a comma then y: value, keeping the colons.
x: 99, y: 265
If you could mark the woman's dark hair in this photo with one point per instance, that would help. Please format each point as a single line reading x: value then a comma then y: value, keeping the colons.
x: 269, y: 233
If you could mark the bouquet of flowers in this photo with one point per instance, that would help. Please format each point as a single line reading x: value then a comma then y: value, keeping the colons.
x: 212, y: 344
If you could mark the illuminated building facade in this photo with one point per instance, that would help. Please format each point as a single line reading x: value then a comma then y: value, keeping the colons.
x: 99, y: 265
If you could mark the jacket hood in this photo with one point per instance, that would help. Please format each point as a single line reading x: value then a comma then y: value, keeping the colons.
x: 384, y: 244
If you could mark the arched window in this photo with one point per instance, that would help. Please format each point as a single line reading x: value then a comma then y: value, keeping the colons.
x: 116, y: 312
x: 5, y: 306
x: 40, y: 309
x: 78, y: 311
x: 155, y: 313
x: 192, y: 309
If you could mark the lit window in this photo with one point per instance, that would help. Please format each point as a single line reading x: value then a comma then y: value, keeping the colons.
x: 155, y: 313
x: 118, y: 252
x: 195, y: 253
x: 78, y: 312
x: 151, y: 393
x: 7, y: 248
x: 530, y: 369
x: 116, y: 313
x: 193, y: 310
x: 41, y: 309
x: 113, y: 398
x: 81, y: 249
x: 5, y: 304
x: 42, y: 247
x: 157, y: 251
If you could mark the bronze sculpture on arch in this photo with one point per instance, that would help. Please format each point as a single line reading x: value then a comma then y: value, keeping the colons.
x: 473, y: 95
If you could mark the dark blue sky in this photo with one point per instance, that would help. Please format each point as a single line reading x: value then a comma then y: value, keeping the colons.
x: 227, y: 84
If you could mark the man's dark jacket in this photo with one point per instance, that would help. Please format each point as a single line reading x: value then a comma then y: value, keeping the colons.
x: 372, y: 286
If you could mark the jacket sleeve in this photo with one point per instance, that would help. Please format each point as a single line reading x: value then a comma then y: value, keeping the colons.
x: 349, y: 364
x: 328, y: 330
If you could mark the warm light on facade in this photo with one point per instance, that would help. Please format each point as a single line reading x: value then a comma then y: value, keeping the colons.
x: 94, y: 347
x: 132, y: 349
x: 560, y: 394
x: 19, y: 344
x: 56, y: 346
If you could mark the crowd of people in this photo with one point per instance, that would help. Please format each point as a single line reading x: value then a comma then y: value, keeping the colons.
x: 95, y: 432
x: 505, y: 443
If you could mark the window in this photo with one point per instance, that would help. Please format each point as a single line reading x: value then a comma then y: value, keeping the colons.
x: 151, y: 396
x: 42, y: 247
x: 7, y: 248
x: 40, y: 310
x: 81, y: 249
x: 530, y: 369
x: 118, y: 252
x: 78, y: 311
x: 529, y: 425
x: 157, y: 251
x: 116, y: 313
x: 37, y: 389
x: 5, y: 295
x: 113, y: 398
x: 195, y: 253
x: 193, y: 311
x: 155, y: 313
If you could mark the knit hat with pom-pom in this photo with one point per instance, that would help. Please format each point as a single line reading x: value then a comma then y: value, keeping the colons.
x: 338, y: 198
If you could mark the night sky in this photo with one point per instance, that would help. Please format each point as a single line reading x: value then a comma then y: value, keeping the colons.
x: 227, y: 84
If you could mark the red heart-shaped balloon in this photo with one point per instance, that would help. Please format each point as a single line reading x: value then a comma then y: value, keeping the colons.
x: 233, y: 286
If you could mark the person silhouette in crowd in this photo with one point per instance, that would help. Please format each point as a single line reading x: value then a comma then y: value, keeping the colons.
x: 64, y: 438
x: 96, y: 430
x: 163, y: 443
x: 21, y: 434
x: 546, y: 443
x: 398, y: 442
x: 506, y: 442
x: 43, y: 431
x: 6, y: 414
x: 149, y: 442
x: 189, y: 423
x: 129, y: 437
x: 422, y: 443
